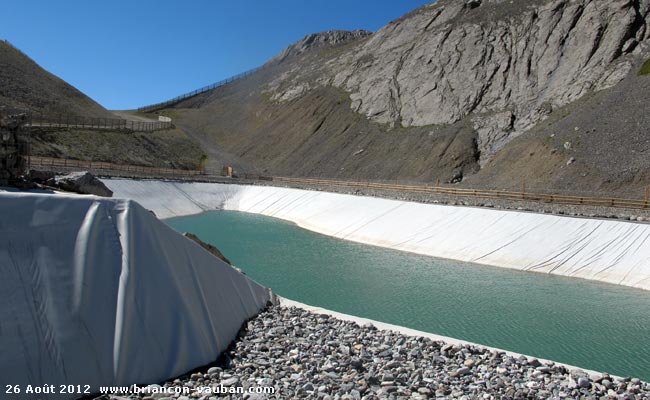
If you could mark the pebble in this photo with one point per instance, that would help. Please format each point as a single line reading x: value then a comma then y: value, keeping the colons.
x: 411, y: 368
x: 584, y: 382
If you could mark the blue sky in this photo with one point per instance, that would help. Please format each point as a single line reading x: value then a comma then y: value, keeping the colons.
x: 125, y: 54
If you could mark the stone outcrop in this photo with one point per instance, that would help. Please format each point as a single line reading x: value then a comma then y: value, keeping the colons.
x: 504, y: 65
x: 83, y: 183
x: 322, y: 39
x: 212, y: 249
x: 42, y: 177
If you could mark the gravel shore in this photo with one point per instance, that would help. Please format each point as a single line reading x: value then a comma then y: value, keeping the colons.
x: 306, y: 355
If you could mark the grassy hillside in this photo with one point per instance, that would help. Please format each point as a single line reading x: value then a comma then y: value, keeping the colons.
x: 25, y: 85
x: 165, y: 149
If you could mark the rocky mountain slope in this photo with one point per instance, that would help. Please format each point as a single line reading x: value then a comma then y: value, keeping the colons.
x: 505, y: 65
x: 489, y: 93
x: 24, y: 85
x: 315, y: 40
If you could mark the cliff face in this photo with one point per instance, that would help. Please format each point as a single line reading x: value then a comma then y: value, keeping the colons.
x: 481, y: 92
x: 505, y: 65
x: 508, y: 74
x: 316, y: 40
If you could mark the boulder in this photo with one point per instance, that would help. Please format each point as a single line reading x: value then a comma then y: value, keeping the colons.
x: 42, y: 177
x: 207, y: 246
x: 83, y: 183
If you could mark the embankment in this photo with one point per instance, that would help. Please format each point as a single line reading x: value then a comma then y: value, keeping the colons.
x: 608, y: 251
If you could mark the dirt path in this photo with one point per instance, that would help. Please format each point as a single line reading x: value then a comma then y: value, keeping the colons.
x: 217, y: 158
x: 131, y: 116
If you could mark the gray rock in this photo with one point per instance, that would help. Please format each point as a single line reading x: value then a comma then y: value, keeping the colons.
x: 416, y: 372
x: 230, y: 381
x: 42, y: 177
x: 584, y: 382
x: 319, y: 40
x: 502, y: 65
x: 83, y: 183
x: 461, y: 371
x: 212, y: 249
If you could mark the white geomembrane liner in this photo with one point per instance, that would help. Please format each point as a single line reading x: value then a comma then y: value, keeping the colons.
x: 100, y: 292
x: 603, y: 250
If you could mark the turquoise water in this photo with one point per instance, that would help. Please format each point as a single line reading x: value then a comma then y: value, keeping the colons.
x: 588, y: 324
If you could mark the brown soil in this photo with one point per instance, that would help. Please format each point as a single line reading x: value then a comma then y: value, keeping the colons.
x: 24, y: 85
x: 163, y: 149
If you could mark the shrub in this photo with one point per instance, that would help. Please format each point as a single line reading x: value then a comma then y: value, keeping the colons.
x: 645, y: 68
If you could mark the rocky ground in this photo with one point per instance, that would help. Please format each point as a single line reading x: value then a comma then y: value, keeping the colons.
x: 307, y: 355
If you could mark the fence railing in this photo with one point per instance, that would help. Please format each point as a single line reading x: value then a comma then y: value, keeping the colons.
x: 114, y: 124
x: 178, y: 99
x: 484, y: 194
x: 50, y: 162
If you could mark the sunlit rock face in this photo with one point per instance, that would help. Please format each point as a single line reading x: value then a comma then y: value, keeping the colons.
x: 504, y: 64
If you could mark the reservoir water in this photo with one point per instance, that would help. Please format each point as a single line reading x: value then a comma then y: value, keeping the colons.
x: 588, y: 324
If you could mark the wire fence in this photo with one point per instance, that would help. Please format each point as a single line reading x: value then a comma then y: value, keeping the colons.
x: 178, y: 99
x: 523, y: 195
x: 110, y: 124
x: 100, y: 166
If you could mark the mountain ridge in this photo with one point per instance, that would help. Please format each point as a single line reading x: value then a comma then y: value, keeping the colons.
x: 479, y: 74
x: 26, y: 86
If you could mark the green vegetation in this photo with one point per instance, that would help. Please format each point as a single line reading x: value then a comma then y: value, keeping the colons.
x: 645, y: 68
x: 202, y: 160
x: 164, y: 149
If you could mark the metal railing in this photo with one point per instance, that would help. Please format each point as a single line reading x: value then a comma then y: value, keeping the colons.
x: 36, y: 119
x: 178, y: 99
